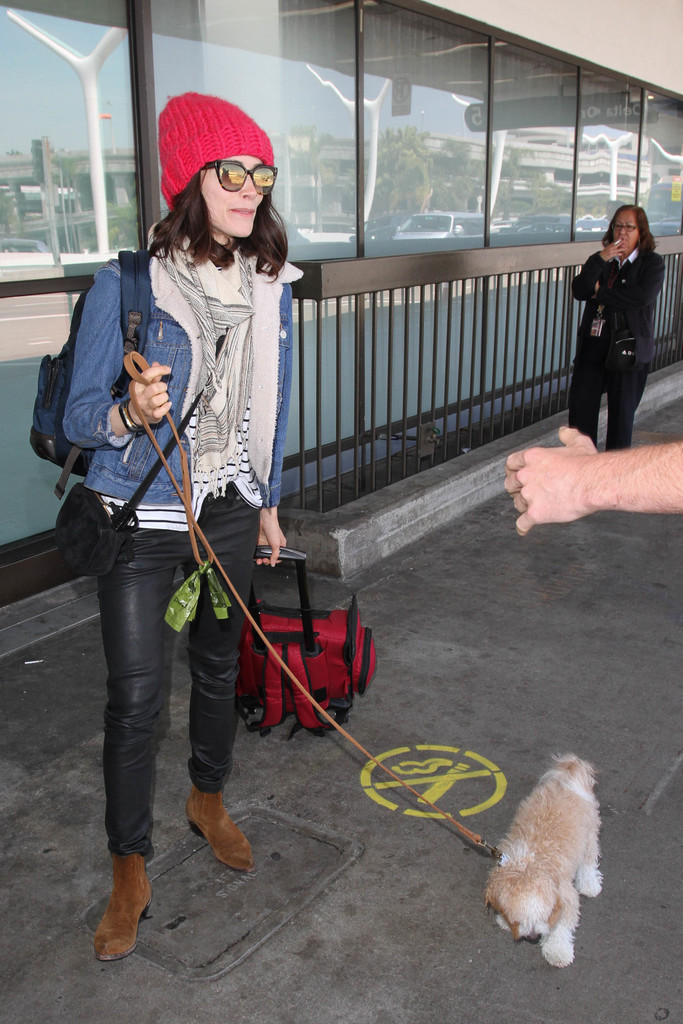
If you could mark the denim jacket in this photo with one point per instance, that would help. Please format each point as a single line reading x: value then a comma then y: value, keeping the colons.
x: 173, y: 339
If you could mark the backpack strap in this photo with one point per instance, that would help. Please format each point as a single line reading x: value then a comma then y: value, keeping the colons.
x: 71, y: 459
x: 300, y: 662
x: 74, y: 451
x: 136, y: 294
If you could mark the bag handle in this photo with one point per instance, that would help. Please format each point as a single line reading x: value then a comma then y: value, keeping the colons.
x: 136, y: 365
x: 299, y: 560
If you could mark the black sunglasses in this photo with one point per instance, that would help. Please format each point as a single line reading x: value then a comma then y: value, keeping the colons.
x: 232, y: 175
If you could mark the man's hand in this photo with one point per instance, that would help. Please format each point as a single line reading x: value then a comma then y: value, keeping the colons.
x: 548, y: 484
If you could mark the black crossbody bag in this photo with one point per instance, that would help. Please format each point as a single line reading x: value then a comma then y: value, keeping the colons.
x: 621, y: 355
x: 89, y: 537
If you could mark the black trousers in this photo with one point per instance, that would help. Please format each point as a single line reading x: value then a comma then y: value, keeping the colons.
x: 590, y: 380
x: 133, y: 600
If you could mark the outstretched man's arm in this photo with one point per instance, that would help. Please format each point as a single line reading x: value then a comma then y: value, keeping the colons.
x: 558, y: 485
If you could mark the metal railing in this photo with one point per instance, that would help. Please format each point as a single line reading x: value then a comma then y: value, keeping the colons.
x: 404, y: 362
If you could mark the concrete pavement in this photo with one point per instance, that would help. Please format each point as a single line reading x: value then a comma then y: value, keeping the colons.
x: 494, y: 652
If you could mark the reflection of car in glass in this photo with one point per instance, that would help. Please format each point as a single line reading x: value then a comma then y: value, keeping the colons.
x: 542, y: 224
x: 663, y: 207
x: 666, y: 226
x: 591, y: 225
x: 22, y: 245
x: 439, y: 224
x: 380, y: 228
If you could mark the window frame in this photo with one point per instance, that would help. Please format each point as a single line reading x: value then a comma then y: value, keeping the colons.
x: 139, y: 25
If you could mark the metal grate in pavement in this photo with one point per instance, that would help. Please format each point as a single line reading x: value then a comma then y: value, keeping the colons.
x: 206, y: 919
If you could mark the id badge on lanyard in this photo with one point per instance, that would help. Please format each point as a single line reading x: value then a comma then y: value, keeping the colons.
x: 598, y: 323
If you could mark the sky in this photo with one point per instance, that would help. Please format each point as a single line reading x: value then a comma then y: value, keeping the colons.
x: 42, y: 94
x: 47, y: 98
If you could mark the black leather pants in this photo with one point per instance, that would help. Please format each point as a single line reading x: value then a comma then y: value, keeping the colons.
x: 133, y: 600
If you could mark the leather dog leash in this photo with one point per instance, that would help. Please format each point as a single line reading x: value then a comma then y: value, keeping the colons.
x: 136, y: 365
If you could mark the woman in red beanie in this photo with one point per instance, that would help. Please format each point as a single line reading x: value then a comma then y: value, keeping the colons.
x: 220, y: 329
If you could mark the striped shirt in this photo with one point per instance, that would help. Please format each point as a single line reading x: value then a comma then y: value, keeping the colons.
x: 240, y: 473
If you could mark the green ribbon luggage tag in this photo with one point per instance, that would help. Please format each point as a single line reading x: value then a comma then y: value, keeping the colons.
x: 182, y: 607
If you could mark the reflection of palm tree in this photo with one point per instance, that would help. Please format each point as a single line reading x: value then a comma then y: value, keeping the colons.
x: 509, y: 173
x: 403, y: 171
x: 7, y: 212
x: 456, y: 177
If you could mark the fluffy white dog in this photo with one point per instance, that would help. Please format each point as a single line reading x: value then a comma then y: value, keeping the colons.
x: 549, y: 856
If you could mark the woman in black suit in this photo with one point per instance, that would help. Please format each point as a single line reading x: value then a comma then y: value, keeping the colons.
x: 625, y: 278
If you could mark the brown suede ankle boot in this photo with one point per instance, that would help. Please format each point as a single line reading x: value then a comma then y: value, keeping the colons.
x: 117, y: 932
x: 205, y: 812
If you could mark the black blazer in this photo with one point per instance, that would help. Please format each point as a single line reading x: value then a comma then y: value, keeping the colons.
x: 633, y: 293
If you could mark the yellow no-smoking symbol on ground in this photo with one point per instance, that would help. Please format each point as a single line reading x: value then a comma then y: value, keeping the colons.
x: 449, y: 774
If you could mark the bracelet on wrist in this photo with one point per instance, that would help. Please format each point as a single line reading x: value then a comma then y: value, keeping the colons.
x: 129, y: 423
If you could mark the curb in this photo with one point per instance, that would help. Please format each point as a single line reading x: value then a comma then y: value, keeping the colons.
x: 346, y: 540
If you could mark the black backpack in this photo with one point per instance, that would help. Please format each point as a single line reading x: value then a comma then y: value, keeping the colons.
x: 48, y: 439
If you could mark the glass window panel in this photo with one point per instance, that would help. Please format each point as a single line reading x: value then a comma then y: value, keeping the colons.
x: 425, y: 88
x: 31, y: 327
x: 608, y: 149
x: 532, y: 162
x: 67, y: 162
x: 661, y: 164
x: 290, y: 65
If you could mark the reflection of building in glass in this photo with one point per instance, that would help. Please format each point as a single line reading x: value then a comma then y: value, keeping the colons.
x: 28, y: 212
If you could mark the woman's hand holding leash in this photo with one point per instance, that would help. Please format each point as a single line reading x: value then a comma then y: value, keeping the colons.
x: 151, y: 394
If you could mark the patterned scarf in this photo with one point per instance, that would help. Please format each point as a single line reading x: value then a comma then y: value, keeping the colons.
x: 221, y: 301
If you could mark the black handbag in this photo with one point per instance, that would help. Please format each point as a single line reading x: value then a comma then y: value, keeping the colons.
x: 90, y: 537
x: 621, y: 355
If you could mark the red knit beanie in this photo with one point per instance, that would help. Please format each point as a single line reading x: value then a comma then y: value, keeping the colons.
x: 194, y: 129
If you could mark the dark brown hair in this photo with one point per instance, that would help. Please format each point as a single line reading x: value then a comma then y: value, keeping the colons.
x: 189, y: 221
x: 645, y: 239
